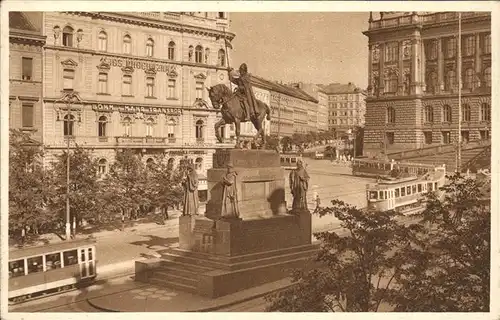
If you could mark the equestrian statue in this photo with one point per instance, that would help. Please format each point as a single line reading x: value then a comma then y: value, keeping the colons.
x: 239, y: 106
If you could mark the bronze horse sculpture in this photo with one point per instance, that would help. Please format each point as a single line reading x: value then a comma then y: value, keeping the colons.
x: 232, y: 112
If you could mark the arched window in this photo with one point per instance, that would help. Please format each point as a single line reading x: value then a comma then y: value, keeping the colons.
x: 68, y: 125
x: 127, y: 44
x: 432, y: 82
x: 127, y: 85
x: 150, y: 44
x: 103, y: 166
x: 469, y: 79
x: 446, y: 113
x: 485, y: 112
x: 221, y: 58
x: 102, y: 126
x: 149, y: 127
x: 466, y: 113
x: 171, y: 50
x: 198, y: 54
x: 171, y: 128
x: 450, y: 81
x: 102, y: 43
x: 67, y: 36
x: 127, y: 127
x: 198, y: 163
x: 391, y: 115
x: 428, y: 114
x: 487, y: 77
x: 199, y: 129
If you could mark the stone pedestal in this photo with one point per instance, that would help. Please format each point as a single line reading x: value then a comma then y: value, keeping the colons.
x: 218, y: 256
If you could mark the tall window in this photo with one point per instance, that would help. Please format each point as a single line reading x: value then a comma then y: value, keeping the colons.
x: 446, y: 113
x: 445, y: 137
x: 391, y: 115
x: 485, y: 112
x: 171, y: 128
x: 199, y: 129
x: 469, y: 45
x: 103, y: 164
x: 103, y: 82
x: 428, y: 114
x: 27, y: 68
x: 102, y: 41
x: 391, y: 51
x: 432, y: 50
x: 469, y: 79
x: 198, y: 54
x: 391, y: 83
x: 68, y: 125
x: 150, y: 85
x: 127, y: 44
x: 465, y: 113
x: 451, y: 47
x: 221, y: 58
x: 149, y: 127
x: 171, y: 89
x: 484, y: 134
x: 150, y: 44
x: 127, y: 127
x: 432, y: 82
x: 450, y: 80
x: 67, y: 37
x: 389, y: 136
x: 199, y: 89
x: 171, y: 50
x: 487, y: 77
x: 465, y: 136
x: 487, y: 43
x: 27, y: 115
x: 68, y: 77
x: 127, y: 85
x: 102, y: 126
x: 428, y: 137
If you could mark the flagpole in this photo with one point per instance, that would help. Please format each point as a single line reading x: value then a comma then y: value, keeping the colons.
x: 459, y: 69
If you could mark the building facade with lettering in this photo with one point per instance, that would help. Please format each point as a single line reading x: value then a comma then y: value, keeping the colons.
x: 140, y: 82
x: 25, y: 73
x: 346, y: 107
x: 413, y: 80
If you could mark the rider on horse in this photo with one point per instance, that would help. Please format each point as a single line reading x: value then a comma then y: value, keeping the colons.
x: 242, y: 80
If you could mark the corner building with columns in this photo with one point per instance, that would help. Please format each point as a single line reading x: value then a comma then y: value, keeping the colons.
x: 140, y: 80
x: 412, y: 97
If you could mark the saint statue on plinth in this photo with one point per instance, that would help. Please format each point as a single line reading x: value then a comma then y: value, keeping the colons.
x: 230, y: 207
x: 299, y: 184
x: 190, y: 183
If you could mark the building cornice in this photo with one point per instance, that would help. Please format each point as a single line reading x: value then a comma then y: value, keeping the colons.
x: 156, y: 23
x: 20, y: 36
x: 428, y: 97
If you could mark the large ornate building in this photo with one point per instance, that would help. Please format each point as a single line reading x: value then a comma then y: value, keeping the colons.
x: 413, y: 87
x: 346, y: 107
x: 25, y: 73
x: 139, y: 80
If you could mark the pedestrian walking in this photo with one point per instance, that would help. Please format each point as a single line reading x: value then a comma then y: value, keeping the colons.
x: 318, y: 203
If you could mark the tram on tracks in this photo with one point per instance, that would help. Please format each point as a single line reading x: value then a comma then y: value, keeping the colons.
x: 405, y: 195
x: 379, y: 168
x: 50, y: 269
x: 289, y: 161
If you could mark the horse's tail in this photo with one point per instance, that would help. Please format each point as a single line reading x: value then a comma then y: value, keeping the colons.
x: 268, y: 112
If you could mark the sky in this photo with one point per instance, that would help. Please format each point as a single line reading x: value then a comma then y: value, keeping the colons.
x: 312, y: 47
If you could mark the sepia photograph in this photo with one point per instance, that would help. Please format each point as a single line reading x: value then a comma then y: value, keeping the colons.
x: 264, y: 160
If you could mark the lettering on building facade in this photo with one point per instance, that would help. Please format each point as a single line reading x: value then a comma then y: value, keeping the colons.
x: 104, y: 107
x: 138, y: 64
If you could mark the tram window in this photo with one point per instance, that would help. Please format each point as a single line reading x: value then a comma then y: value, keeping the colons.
x: 429, y: 186
x: 419, y: 187
x: 373, y: 195
x: 385, y: 194
x: 16, y: 268
x: 403, y: 191
x: 408, y: 190
x: 381, y: 194
x: 90, y: 254
x: 53, y: 261
x: 413, y: 189
x: 396, y: 193
x: 294, y: 160
x: 70, y: 257
x: 82, y: 258
x: 35, y: 264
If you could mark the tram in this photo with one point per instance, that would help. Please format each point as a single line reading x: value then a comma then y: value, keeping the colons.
x: 377, y: 168
x: 289, y: 161
x: 49, y: 269
x: 405, y: 195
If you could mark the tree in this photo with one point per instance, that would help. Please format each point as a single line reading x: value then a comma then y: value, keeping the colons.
x: 85, y: 188
x: 286, y: 143
x: 29, y: 188
x: 448, y: 265
x: 272, y: 142
x: 354, y: 272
